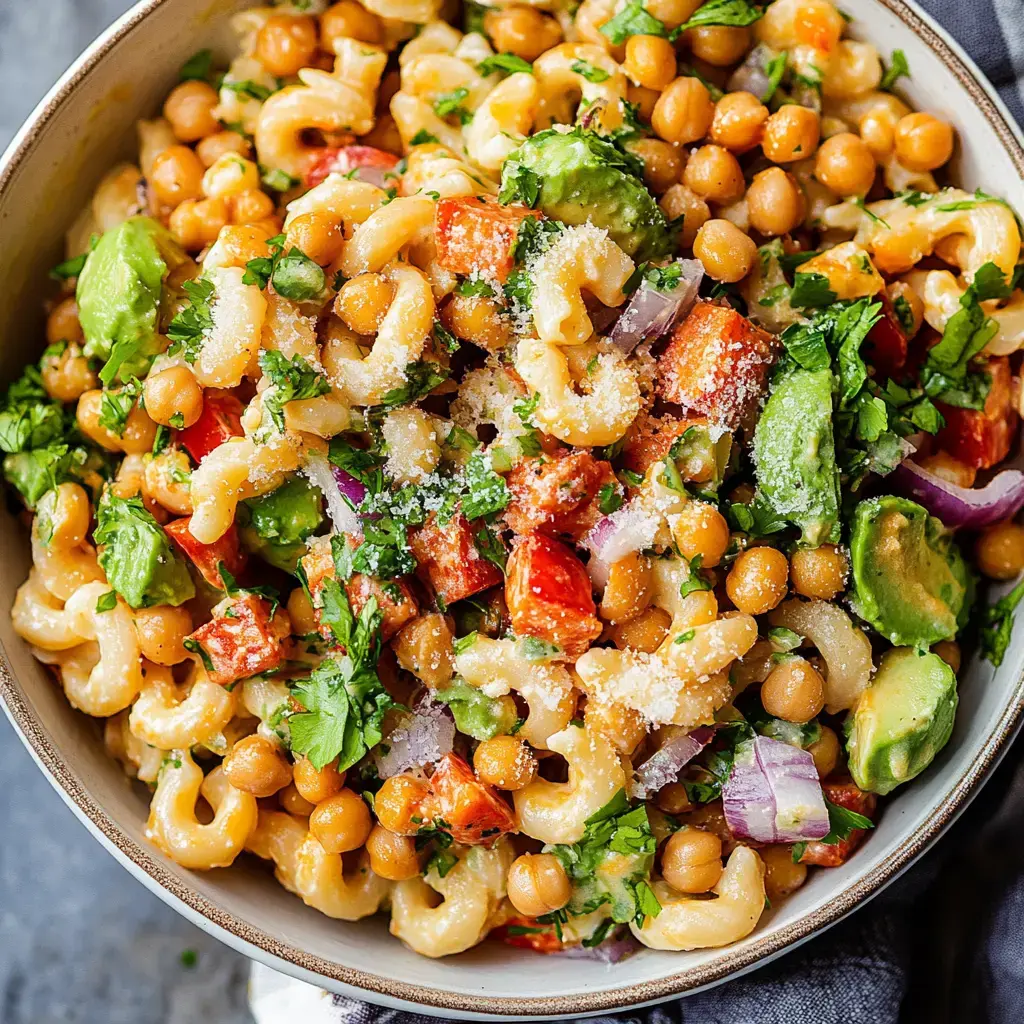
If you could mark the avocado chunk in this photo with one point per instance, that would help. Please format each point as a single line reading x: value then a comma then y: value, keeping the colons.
x: 277, y: 526
x: 903, y: 719
x: 795, y: 458
x: 577, y: 177
x: 137, y: 556
x: 910, y: 580
x: 119, y: 296
x: 475, y: 713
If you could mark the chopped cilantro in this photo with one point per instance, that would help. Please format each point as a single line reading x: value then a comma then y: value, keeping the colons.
x: 774, y: 68
x: 487, y: 491
x: 421, y: 378
x: 609, y: 499
x: 422, y: 138
x: 532, y: 648
x: 723, y: 12
x: 69, y: 268
x: 589, y: 72
x: 633, y: 20
x: 474, y: 288
x: 197, y: 67
x: 293, y: 379
x: 193, y: 322
x: 507, y: 62
x: 997, y: 625
x: 519, y: 185
x: 106, y: 602
x: 898, y: 68
x: 811, y: 290
x: 116, y: 405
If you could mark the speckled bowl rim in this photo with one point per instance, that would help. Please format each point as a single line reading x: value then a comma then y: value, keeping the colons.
x: 263, y: 946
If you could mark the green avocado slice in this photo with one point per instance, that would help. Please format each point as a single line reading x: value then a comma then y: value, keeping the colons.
x: 910, y: 580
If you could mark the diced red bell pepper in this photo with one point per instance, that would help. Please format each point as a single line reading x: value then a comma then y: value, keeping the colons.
x: 843, y: 793
x: 549, y: 595
x: 886, y: 344
x: 982, y: 438
x: 527, y: 933
x: 558, y: 495
x: 716, y: 364
x: 370, y: 164
x: 449, y: 561
x: 651, y: 438
x: 220, y: 420
x: 471, y: 810
x: 477, y: 235
x: 207, y: 557
x: 243, y: 643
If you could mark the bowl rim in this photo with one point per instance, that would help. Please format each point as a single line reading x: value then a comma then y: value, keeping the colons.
x: 258, y: 944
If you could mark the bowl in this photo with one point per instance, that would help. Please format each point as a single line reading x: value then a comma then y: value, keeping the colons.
x: 79, y: 130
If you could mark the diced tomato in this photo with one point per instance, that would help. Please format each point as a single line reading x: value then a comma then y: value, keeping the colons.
x: 471, y: 810
x: 370, y: 164
x: 526, y: 933
x: 559, y: 494
x: 242, y: 642
x: 207, y: 557
x: 886, y: 343
x: 477, y: 235
x: 220, y: 419
x: 982, y: 438
x: 651, y: 438
x: 716, y: 364
x: 449, y: 561
x: 549, y: 595
x: 843, y: 793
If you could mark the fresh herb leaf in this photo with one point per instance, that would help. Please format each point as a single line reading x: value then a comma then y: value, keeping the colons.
x: 197, y: 67
x: 633, y: 20
x: 774, y: 68
x: 292, y: 379
x: 532, y: 648
x: 423, y: 138
x: 589, y: 72
x: 997, y: 625
x: 421, y: 378
x: 507, y: 62
x: 115, y: 406
x: 106, y: 602
x: 519, y: 184
x: 609, y: 499
x: 898, y: 68
x: 811, y: 290
x: 69, y: 268
x: 193, y: 322
x: 723, y: 12
x: 474, y: 288
x: 842, y: 822
x: 487, y: 490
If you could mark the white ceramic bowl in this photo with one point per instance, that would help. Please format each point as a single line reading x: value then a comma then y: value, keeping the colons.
x: 82, y: 127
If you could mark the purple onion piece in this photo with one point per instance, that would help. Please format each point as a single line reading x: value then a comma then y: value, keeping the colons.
x: 652, y: 314
x: 664, y: 765
x: 751, y: 76
x: 611, y: 951
x: 420, y: 738
x: 627, y: 530
x: 318, y: 469
x: 773, y: 794
x: 972, y: 507
x: 349, y: 486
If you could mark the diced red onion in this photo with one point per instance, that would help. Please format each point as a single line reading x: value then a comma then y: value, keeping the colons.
x: 751, y: 76
x: 611, y: 951
x: 972, y: 507
x: 349, y: 486
x: 318, y: 469
x: 664, y: 765
x: 422, y: 737
x: 652, y: 313
x: 773, y: 794
x: 629, y: 529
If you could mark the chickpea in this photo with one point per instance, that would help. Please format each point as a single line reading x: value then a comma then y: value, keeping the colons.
x: 173, y: 397
x: 663, y: 163
x: 66, y: 375
x: 424, y: 647
x: 757, y: 580
x: 700, y: 529
x: 879, y: 133
x: 294, y: 803
x: 645, y: 100
x: 691, y: 861
x: 623, y: 727
x: 923, y: 142
x: 845, y: 164
x: 949, y: 652
x: 719, y: 45
x: 363, y: 302
x: 213, y: 147
x: 250, y: 206
x: 793, y: 691
x: 506, y: 762
x: 791, y: 133
x: 775, y: 202
x: 781, y: 875
x: 726, y: 252
x: 738, y: 122
x: 818, y: 572
x: 341, y: 822
x: 477, y: 319
x: 397, y: 802
x: 644, y: 633
x: 177, y: 175
x: 947, y: 467
x: 680, y: 201
x: 286, y: 43
x: 189, y: 109
x: 825, y: 751
x: 349, y: 20
x: 300, y: 611
x: 538, y: 884
x: 1000, y: 551
x: 672, y: 799
x: 62, y: 324
x: 684, y: 112
x: 392, y: 856
x: 522, y: 30
x: 714, y: 173
x: 316, y: 785
x: 162, y: 630
x: 650, y: 61
x: 255, y: 765
x: 628, y: 590
x: 197, y: 223
x: 316, y: 235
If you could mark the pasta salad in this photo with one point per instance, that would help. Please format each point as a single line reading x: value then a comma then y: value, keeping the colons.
x: 523, y: 468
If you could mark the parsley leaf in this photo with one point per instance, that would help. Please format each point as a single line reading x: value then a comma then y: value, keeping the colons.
x: 633, y: 20
x: 421, y: 378
x: 811, y: 290
x: 507, y: 62
x: 423, y: 138
x: 193, y: 322
x: 487, y: 490
x: 774, y: 68
x: 997, y: 625
x: 532, y: 648
x: 474, y: 288
x: 364, y: 465
x: 69, y: 268
x: 897, y: 69
x: 609, y: 499
x: 694, y: 582
x: 116, y: 405
x: 197, y: 67
x: 518, y: 184
x: 842, y: 822
x: 106, y: 602
x: 293, y: 379
x: 589, y: 72
x: 451, y: 103
x: 723, y: 12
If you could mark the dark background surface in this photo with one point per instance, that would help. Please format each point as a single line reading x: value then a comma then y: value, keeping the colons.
x: 82, y: 941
